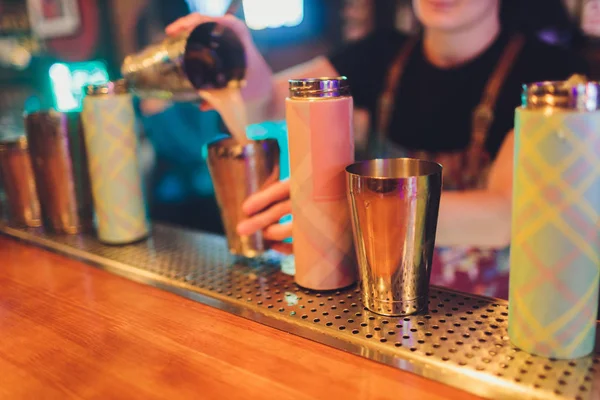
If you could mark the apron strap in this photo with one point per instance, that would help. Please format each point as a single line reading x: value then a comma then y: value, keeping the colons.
x: 483, y: 114
x: 385, y: 106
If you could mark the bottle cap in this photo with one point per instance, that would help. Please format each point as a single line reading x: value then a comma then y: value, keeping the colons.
x: 114, y: 87
x: 577, y: 93
x: 319, y: 87
x: 13, y: 142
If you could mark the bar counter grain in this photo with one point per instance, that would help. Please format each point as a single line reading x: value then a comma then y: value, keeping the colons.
x: 72, y: 331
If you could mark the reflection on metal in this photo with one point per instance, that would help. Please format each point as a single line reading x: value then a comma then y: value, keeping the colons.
x: 461, y: 340
x: 18, y: 181
x: 238, y: 170
x: 384, y: 195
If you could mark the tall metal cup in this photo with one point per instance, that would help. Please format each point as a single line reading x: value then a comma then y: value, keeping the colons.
x: 555, y: 246
x: 238, y: 171
x: 19, y: 184
x: 394, y: 205
x: 58, y: 160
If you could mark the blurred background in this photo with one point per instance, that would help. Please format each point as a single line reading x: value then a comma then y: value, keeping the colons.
x: 50, y: 49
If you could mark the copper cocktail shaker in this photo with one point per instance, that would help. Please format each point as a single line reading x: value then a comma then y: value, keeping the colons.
x: 19, y: 184
x: 237, y: 171
x: 60, y: 169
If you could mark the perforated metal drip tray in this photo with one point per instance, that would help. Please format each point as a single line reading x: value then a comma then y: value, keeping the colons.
x: 462, y: 340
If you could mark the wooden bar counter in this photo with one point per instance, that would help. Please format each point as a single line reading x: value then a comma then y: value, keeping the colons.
x: 69, y: 330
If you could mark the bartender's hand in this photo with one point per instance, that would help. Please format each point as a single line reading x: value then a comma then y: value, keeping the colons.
x: 265, y: 209
x: 259, y: 77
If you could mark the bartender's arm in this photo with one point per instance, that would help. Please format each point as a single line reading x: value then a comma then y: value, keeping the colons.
x: 264, y: 93
x: 474, y: 218
x: 479, y: 218
x: 468, y: 218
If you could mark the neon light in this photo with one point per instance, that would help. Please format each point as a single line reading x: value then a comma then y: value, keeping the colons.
x: 262, y: 14
x: 68, y: 80
x: 213, y: 8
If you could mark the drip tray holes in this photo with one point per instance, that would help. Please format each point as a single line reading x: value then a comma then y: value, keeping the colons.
x: 458, y: 330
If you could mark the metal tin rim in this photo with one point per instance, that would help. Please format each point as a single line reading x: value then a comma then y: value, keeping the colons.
x: 120, y: 86
x: 438, y: 168
x: 235, y: 149
x: 319, y: 87
x: 50, y: 112
x: 219, y: 142
x: 583, y: 96
x: 19, y: 142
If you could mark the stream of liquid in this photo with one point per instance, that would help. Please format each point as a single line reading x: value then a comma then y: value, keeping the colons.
x: 229, y: 104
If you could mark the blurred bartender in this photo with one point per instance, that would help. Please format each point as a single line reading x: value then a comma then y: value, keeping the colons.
x: 180, y: 188
x: 450, y: 92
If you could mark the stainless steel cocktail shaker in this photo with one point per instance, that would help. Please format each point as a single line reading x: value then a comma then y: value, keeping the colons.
x: 210, y: 56
x: 395, y: 205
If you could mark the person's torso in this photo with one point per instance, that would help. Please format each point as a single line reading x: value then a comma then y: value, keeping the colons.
x: 433, y: 107
x: 432, y: 117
